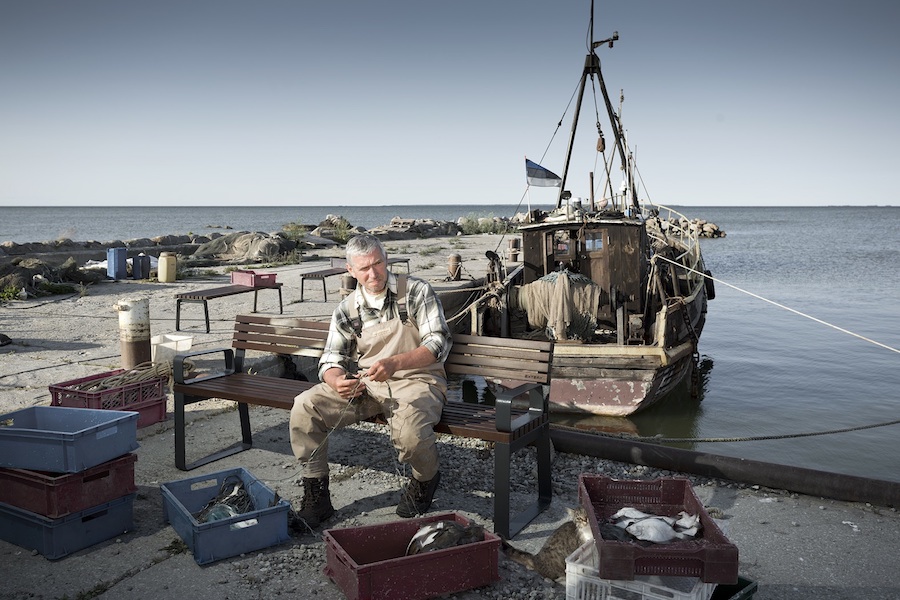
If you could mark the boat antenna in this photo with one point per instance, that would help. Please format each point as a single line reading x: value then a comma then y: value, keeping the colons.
x: 592, y: 69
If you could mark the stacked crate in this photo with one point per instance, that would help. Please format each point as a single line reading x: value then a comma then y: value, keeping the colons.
x: 66, y: 477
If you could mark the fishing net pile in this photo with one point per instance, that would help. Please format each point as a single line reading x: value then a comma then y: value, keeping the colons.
x: 565, y: 304
x: 243, y: 247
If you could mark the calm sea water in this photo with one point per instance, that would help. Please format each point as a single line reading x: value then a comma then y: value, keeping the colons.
x: 27, y: 224
x: 767, y: 370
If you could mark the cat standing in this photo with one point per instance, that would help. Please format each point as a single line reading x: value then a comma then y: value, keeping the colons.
x: 550, y: 560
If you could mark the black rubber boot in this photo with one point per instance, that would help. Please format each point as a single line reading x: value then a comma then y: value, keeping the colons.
x: 416, y: 498
x: 316, y: 504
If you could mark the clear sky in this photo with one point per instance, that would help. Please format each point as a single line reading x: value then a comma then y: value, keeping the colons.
x: 355, y: 102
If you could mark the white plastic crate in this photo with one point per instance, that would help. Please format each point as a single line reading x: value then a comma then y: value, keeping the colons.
x: 583, y: 582
x: 163, y: 348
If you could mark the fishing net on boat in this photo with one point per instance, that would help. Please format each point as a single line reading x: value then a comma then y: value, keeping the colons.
x: 565, y: 304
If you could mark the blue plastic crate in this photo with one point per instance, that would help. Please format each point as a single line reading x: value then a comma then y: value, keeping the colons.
x: 266, y: 525
x: 55, y: 538
x: 65, y: 440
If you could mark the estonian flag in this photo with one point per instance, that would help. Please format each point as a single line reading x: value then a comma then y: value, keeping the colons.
x: 538, y: 176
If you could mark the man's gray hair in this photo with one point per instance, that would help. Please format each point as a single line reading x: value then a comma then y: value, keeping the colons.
x: 363, y: 244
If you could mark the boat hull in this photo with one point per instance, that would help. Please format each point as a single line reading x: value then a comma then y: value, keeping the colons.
x: 619, y: 380
x: 613, y: 396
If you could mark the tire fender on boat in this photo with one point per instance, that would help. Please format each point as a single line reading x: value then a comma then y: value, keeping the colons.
x: 710, y: 285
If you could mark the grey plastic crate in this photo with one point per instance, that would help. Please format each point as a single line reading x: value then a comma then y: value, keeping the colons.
x: 265, y: 526
x: 65, y: 440
x: 55, y: 538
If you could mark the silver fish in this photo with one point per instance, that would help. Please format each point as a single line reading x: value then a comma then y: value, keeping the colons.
x: 443, y: 534
x: 655, y: 528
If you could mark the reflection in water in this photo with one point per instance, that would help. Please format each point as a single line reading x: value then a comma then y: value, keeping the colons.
x: 676, y: 416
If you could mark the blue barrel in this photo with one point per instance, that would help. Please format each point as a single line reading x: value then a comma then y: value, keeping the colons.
x: 116, y: 263
x: 140, y: 267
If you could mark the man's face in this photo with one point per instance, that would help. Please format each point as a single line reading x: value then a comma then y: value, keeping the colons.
x: 370, y: 270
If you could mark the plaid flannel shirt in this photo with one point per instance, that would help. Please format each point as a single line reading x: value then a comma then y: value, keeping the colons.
x: 422, y: 305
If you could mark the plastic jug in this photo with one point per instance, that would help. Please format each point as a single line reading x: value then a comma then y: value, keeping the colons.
x: 166, y: 269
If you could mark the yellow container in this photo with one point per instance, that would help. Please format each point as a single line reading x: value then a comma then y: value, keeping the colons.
x: 166, y: 270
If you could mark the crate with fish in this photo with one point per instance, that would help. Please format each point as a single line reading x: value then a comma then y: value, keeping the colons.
x: 655, y: 527
x: 56, y: 538
x: 56, y: 495
x: 140, y: 390
x: 583, y: 581
x: 224, y: 514
x: 65, y: 440
x: 411, y: 559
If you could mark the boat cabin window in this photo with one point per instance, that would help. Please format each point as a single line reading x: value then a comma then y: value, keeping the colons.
x: 593, y: 241
x: 563, y: 245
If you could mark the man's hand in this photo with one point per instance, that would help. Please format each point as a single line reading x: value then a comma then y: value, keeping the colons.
x: 347, y: 386
x: 383, y: 369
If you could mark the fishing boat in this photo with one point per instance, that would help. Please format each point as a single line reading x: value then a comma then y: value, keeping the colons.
x: 618, y: 282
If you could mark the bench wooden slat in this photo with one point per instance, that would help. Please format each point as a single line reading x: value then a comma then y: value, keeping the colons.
x: 321, y: 273
x: 286, y: 335
x: 277, y: 392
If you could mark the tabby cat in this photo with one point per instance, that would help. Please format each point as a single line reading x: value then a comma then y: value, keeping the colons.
x: 550, y: 560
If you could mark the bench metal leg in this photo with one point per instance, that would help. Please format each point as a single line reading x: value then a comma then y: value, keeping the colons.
x: 280, y: 303
x: 506, y: 524
x: 180, y: 435
x: 178, y: 312
x: 303, y: 281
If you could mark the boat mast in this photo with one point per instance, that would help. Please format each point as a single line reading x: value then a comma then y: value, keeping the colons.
x: 591, y: 69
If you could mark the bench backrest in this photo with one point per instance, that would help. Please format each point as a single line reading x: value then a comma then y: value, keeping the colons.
x: 500, y: 358
x: 491, y: 357
x: 280, y: 335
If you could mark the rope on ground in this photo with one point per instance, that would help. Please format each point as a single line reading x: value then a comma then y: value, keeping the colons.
x: 147, y: 371
x: 760, y: 438
x: 779, y: 305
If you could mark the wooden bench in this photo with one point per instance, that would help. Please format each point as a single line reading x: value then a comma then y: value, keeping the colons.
x: 206, y: 295
x: 514, y: 369
x: 338, y: 267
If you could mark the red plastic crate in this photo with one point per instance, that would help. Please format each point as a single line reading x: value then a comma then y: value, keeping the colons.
x: 710, y: 556
x: 253, y: 279
x: 53, y: 495
x: 370, y: 562
x: 147, y: 398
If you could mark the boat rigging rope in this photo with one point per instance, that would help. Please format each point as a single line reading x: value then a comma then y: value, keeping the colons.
x: 779, y: 305
x: 759, y: 438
